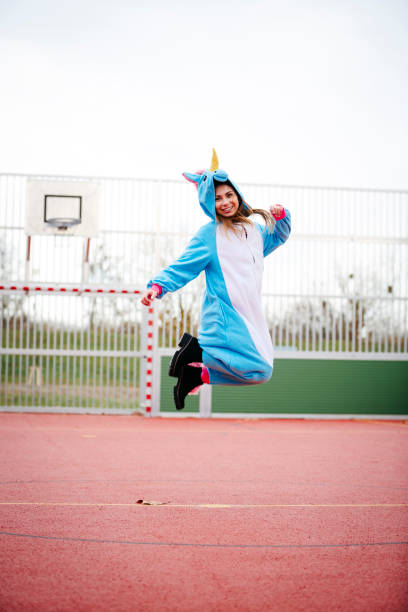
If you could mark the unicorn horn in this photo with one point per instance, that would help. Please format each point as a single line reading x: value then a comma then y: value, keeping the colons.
x: 214, y: 162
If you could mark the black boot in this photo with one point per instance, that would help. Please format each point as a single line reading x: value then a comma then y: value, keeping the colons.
x: 189, y: 379
x: 190, y: 352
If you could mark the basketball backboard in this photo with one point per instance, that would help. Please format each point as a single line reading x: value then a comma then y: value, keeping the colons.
x: 66, y: 208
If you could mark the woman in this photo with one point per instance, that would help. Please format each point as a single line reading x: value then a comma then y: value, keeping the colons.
x: 234, y: 345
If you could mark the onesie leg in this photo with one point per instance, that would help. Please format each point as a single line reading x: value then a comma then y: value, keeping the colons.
x: 244, y: 372
x: 250, y: 377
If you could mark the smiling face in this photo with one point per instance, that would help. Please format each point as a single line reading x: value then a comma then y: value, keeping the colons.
x: 226, y: 201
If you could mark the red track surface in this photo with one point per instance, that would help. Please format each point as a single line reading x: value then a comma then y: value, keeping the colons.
x: 315, y: 514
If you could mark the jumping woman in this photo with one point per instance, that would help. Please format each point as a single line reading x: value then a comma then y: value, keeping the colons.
x: 234, y: 345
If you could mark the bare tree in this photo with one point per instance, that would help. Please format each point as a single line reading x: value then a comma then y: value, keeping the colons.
x: 10, y: 305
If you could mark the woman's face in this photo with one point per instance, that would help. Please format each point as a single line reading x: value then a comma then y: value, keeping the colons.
x: 226, y: 201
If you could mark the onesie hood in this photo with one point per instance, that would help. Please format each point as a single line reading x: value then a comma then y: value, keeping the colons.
x: 204, y: 181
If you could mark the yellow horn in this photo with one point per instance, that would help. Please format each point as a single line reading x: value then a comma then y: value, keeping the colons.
x: 214, y: 162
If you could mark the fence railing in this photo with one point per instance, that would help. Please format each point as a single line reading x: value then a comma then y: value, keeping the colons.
x: 337, y: 290
x: 311, y: 326
x: 81, y: 348
x: 97, y: 349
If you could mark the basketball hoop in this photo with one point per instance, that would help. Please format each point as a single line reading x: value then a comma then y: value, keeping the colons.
x: 63, y: 223
x: 65, y: 209
x: 62, y: 211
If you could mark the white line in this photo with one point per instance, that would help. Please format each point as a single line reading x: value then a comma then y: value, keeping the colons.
x: 209, y: 506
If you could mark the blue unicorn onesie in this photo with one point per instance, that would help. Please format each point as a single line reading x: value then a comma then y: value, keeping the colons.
x: 233, y: 335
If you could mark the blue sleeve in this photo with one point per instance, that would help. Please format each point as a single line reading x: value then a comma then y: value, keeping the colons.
x: 189, y: 265
x: 274, y: 238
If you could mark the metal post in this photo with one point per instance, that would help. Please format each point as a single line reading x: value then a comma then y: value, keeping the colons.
x: 149, y: 382
x: 205, y: 401
x: 27, y: 263
x: 143, y: 360
x: 85, y: 265
x: 156, y: 363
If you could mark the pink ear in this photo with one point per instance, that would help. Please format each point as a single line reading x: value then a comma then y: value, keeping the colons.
x: 189, y: 177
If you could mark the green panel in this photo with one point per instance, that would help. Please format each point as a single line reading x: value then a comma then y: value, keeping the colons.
x: 166, y: 391
x: 315, y: 386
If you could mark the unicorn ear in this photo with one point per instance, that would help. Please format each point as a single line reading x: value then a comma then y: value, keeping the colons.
x: 193, y: 178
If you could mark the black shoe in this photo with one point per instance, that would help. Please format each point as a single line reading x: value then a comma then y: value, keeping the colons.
x: 189, y: 379
x: 189, y: 353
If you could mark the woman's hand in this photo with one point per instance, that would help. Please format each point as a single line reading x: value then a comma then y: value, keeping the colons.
x: 148, y: 296
x: 276, y: 210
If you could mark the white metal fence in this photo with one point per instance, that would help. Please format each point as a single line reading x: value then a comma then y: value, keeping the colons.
x: 75, y: 348
x: 337, y: 289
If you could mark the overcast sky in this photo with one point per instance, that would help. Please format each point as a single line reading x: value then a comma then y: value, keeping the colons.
x: 310, y: 92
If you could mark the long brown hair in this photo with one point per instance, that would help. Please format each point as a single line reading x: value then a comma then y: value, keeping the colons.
x: 243, y: 213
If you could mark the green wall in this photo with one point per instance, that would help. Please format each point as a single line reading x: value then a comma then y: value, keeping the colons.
x: 311, y: 386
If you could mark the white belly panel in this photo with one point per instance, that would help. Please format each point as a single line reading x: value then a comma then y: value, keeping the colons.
x: 241, y: 260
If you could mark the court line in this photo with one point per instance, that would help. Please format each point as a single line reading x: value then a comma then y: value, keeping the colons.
x: 237, y: 430
x: 199, y: 545
x: 209, y: 506
x: 201, y: 481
